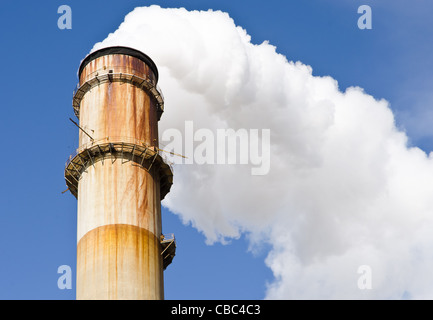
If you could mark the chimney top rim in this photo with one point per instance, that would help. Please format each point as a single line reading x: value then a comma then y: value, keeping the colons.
x: 119, y: 50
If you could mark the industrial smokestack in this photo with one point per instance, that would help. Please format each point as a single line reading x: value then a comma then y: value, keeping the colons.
x: 119, y: 178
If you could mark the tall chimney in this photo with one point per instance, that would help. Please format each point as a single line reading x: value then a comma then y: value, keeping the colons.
x: 119, y: 177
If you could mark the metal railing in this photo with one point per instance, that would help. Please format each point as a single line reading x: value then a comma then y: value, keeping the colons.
x: 127, y: 148
x: 97, y: 74
x: 168, y: 237
x: 118, y: 140
x: 145, y: 83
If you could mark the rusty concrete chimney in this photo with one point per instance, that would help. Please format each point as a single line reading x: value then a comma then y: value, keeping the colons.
x: 119, y: 177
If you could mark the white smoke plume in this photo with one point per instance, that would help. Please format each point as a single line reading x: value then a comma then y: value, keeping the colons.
x: 343, y: 190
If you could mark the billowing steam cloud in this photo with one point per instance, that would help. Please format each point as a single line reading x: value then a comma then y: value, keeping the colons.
x: 343, y: 189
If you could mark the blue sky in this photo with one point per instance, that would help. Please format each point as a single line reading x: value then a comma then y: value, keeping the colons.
x: 38, y: 223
